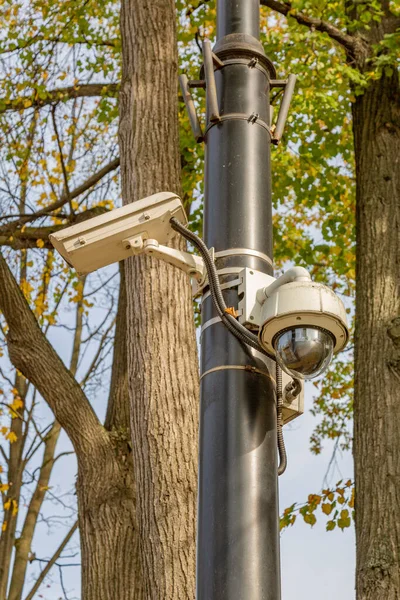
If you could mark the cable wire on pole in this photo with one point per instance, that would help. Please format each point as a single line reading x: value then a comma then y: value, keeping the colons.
x: 236, y: 328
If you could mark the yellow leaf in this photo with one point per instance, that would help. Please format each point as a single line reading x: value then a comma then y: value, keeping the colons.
x: 11, y: 437
x: 330, y: 525
x: 310, y: 519
x: 326, y: 508
x: 40, y: 243
x: 314, y: 499
x: 7, y: 505
x: 17, y: 404
x: 4, y: 526
x: 26, y: 289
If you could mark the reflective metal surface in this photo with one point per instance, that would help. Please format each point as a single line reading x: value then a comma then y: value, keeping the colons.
x: 304, y: 352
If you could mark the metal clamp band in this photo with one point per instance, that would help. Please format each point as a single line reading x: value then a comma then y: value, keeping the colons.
x: 215, y: 320
x: 230, y: 271
x: 248, y: 368
x: 227, y: 271
x: 210, y: 322
x: 252, y: 119
x: 243, y: 251
x: 224, y: 286
x: 252, y: 63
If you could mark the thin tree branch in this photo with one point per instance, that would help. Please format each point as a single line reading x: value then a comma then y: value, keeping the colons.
x: 96, y: 357
x: 58, y: 40
x: 76, y: 345
x: 352, y: 44
x: 89, y: 183
x: 63, y: 168
x: 88, y: 90
x: 51, y: 562
x: 28, y: 237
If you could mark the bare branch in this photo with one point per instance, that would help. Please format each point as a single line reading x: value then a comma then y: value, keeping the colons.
x: 87, y: 90
x: 59, y: 40
x: 63, y: 167
x: 28, y: 237
x: 352, y: 44
x: 76, y: 345
x: 97, y: 355
x: 81, y: 189
x: 51, y: 562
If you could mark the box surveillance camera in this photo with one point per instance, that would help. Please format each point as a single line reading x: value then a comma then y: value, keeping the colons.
x: 114, y: 236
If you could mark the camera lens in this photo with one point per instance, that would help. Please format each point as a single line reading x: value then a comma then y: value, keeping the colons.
x: 304, y: 352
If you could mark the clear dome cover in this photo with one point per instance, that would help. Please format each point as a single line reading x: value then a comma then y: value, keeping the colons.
x: 304, y: 352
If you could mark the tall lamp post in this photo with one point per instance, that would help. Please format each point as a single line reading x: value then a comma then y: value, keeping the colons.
x: 238, y: 536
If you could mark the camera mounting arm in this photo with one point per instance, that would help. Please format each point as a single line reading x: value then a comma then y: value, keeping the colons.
x: 292, y: 274
x: 189, y: 263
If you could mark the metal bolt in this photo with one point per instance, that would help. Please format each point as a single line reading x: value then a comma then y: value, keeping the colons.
x: 82, y: 241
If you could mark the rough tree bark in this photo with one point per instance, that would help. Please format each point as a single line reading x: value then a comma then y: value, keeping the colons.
x: 162, y: 357
x: 376, y: 124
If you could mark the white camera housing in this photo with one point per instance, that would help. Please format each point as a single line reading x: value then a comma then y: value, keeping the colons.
x: 118, y: 234
x: 300, y: 323
x: 303, y: 303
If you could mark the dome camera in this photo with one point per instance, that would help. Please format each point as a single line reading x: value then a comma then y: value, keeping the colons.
x: 304, y: 352
x: 303, y: 323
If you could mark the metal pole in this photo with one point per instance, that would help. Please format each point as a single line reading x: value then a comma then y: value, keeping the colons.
x: 238, y: 536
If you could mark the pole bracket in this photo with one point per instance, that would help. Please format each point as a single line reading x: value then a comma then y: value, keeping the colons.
x: 252, y: 119
x: 288, y: 87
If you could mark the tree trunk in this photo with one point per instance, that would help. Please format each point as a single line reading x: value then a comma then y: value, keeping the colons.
x: 376, y: 123
x: 107, y: 528
x: 162, y: 357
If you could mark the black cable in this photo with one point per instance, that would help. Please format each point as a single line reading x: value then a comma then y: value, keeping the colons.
x: 236, y: 328
x: 279, y: 408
